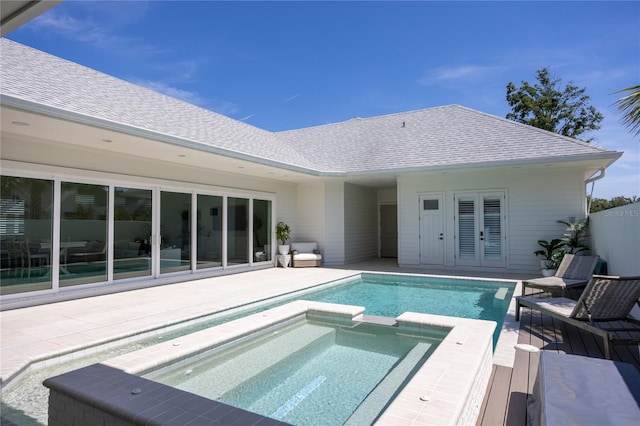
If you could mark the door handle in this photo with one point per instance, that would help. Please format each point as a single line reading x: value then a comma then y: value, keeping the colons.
x: 481, y: 235
x: 441, y: 237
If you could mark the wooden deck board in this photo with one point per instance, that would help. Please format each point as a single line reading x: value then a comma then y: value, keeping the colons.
x: 506, y: 399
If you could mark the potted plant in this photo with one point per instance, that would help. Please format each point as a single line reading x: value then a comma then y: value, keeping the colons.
x: 552, y: 253
x: 283, y: 233
x: 575, y: 234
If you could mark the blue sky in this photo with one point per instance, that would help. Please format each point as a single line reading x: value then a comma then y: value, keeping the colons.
x: 285, y: 65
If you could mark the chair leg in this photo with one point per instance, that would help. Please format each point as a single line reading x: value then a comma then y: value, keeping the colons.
x: 517, y: 310
x: 607, y: 347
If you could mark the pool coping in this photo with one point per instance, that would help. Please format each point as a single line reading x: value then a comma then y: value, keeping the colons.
x: 447, y: 389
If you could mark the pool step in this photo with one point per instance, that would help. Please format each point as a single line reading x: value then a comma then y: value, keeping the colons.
x: 223, y: 374
x: 368, y: 410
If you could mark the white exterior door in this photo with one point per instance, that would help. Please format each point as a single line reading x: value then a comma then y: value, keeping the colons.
x: 432, y: 229
x: 480, y: 229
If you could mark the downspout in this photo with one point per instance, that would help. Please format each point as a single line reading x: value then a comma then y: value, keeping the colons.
x: 592, y: 180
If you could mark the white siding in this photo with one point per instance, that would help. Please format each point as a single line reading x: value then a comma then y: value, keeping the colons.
x: 536, y: 198
x: 361, y: 223
x: 615, y: 237
x: 310, y: 214
x: 333, y: 253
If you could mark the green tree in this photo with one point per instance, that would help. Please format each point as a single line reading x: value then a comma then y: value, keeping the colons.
x: 600, y: 204
x: 547, y: 106
x: 629, y: 105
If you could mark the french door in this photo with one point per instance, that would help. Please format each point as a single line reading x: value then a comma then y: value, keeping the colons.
x: 480, y: 229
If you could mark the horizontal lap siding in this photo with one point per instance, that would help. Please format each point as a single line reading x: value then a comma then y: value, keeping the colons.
x: 310, y: 214
x: 334, y: 250
x: 361, y: 219
x: 536, y: 198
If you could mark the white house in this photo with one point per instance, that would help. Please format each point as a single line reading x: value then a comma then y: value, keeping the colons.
x: 128, y: 186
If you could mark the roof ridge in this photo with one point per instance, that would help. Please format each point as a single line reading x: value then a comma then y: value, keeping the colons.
x: 373, y: 117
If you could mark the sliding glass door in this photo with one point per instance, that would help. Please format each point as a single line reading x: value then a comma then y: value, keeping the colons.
x: 26, y: 229
x: 83, y: 233
x: 209, y: 231
x: 175, y: 232
x: 237, y: 231
x: 261, y: 230
x: 58, y: 233
x: 132, y: 254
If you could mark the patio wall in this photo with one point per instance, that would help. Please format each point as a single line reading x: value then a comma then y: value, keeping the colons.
x: 615, y: 237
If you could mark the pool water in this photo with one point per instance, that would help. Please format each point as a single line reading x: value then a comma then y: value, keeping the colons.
x: 392, y: 295
x: 309, y: 373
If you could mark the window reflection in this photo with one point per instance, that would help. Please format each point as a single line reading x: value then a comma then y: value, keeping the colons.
x: 175, y: 230
x: 209, y: 231
x: 83, y: 233
x: 132, y: 233
x: 237, y: 231
x: 261, y: 230
x: 25, y: 234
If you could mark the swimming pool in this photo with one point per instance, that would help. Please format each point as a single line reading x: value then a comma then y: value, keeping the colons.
x: 447, y: 388
x: 390, y: 295
x: 36, y: 402
x: 295, y: 372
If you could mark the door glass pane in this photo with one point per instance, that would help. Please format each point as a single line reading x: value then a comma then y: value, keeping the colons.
x: 492, y: 229
x: 261, y: 230
x: 430, y: 204
x: 83, y: 233
x: 237, y: 232
x: 175, y: 230
x: 209, y: 231
x: 132, y: 233
x: 466, y: 229
x: 25, y: 234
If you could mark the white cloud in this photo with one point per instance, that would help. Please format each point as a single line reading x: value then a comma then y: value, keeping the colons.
x: 290, y: 98
x: 464, y: 72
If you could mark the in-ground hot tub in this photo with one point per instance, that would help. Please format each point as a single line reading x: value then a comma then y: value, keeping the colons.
x: 303, y: 363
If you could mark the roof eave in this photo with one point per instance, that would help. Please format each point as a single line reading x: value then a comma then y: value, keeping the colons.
x: 605, y: 158
x: 75, y: 117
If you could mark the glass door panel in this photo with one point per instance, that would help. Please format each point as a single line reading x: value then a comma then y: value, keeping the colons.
x: 132, y: 233
x: 492, y: 230
x: 26, y: 229
x: 83, y: 233
x: 209, y: 232
x: 261, y: 230
x: 467, y: 241
x: 237, y: 231
x: 175, y: 232
x: 492, y: 236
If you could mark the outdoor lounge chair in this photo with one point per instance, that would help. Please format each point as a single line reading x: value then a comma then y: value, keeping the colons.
x: 574, y: 271
x: 602, y: 309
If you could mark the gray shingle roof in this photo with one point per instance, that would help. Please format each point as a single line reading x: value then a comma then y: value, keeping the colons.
x: 435, y: 137
x: 443, y: 136
x: 35, y: 76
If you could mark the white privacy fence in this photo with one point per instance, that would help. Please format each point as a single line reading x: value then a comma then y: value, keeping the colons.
x: 615, y: 237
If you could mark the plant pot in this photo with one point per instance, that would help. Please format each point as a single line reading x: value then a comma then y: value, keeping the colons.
x: 548, y: 272
x: 283, y: 249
